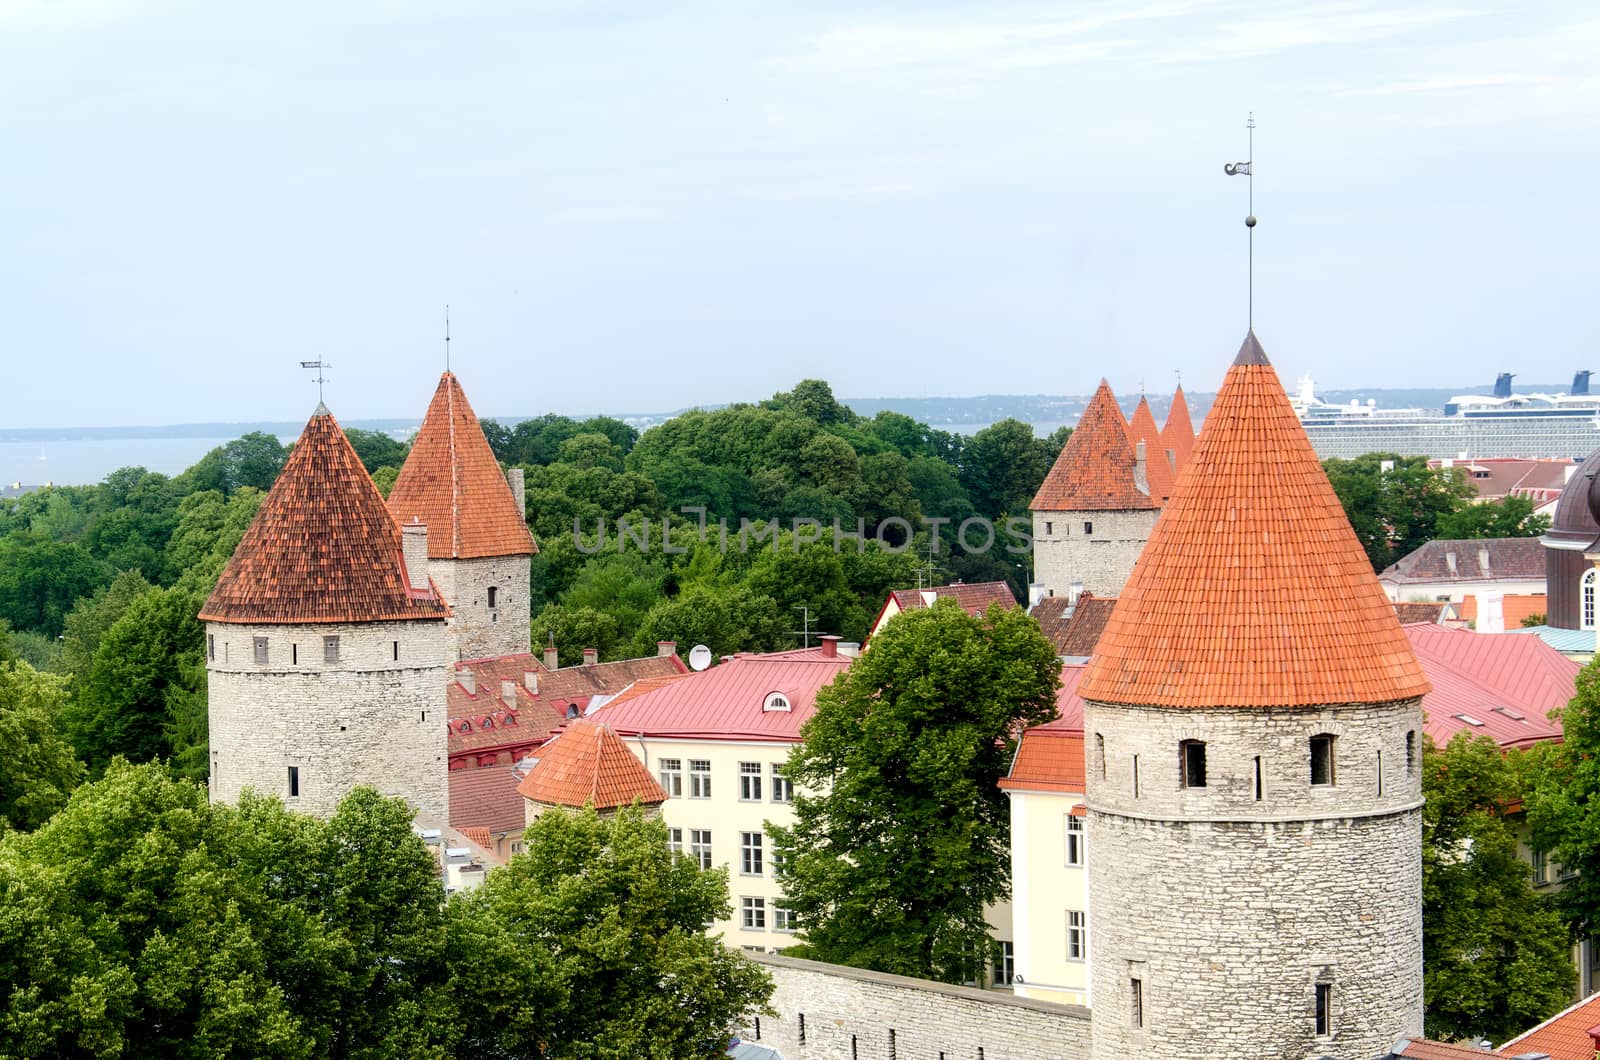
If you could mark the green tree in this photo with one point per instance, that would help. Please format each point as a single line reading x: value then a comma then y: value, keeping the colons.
x: 812, y: 578
x: 251, y: 460
x: 92, y: 615
x: 598, y: 908
x: 1507, y: 517
x: 574, y: 629
x: 590, y: 450
x: 1002, y: 467
x: 1495, y: 952
x: 1562, y: 796
x: 376, y: 449
x: 1396, y: 511
x: 725, y: 620
x: 813, y: 399
x: 37, y: 767
x: 499, y: 438
x: 41, y: 579
x: 209, y: 529
x: 901, y: 834
x: 623, y: 586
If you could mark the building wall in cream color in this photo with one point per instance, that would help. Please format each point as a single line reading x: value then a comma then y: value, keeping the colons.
x: 1044, y: 889
x: 375, y: 715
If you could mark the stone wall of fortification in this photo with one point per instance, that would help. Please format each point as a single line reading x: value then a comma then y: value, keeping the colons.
x: 1101, y: 559
x: 480, y: 631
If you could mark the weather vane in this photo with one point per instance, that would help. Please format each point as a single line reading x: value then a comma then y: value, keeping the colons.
x: 319, y: 366
x: 1235, y: 169
x: 447, y: 337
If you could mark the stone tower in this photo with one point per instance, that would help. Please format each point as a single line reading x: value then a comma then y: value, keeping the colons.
x: 478, y: 542
x: 1094, y: 510
x: 1253, y: 749
x: 326, y: 644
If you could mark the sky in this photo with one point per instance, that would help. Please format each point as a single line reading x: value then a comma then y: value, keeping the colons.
x: 637, y: 207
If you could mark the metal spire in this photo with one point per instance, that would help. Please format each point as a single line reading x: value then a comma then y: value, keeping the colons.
x: 447, y: 337
x: 319, y: 366
x: 1246, y: 168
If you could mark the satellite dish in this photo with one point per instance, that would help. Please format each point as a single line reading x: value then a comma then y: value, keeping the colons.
x: 699, y: 657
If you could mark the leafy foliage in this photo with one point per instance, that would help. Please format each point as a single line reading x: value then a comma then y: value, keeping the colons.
x: 1396, y: 512
x: 901, y: 833
x: 1507, y: 517
x: 37, y: 767
x: 1495, y: 952
x: 1563, y: 803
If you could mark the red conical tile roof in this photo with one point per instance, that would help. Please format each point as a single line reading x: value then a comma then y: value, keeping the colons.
x: 1253, y: 590
x: 1094, y: 472
x: 589, y: 764
x: 1158, y: 469
x: 322, y: 548
x: 452, y: 482
x: 1178, y: 433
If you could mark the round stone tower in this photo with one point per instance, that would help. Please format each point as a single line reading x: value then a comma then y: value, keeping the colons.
x: 326, y: 644
x: 1253, y: 744
x: 479, y: 548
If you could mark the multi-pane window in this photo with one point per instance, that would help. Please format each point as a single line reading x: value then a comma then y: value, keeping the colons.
x: 1192, y: 763
x: 1324, y: 1002
x: 778, y: 863
x: 782, y: 787
x: 1586, y: 593
x: 700, y: 846
x: 1077, y: 935
x: 261, y: 651
x: 749, y: 781
x: 675, y: 840
x: 672, y: 777
x: 783, y: 918
x: 699, y: 778
x: 1075, y: 839
x: 330, y: 649
x: 1322, y: 759
x: 753, y: 913
x: 750, y: 862
x: 1005, y: 963
x: 1541, y: 867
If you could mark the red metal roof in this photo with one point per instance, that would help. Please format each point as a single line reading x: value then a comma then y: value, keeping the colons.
x: 1094, y: 472
x: 1509, y: 683
x: 1253, y: 590
x: 1568, y: 1035
x: 452, y: 482
x: 588, y: 764
x: 322, y: 547
x: 726, y: 701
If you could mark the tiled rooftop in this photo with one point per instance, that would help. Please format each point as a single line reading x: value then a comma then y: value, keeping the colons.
x: 322, y: 547
x: 588, y: 764
x: 1409, y: 613
x: 1047, y: 760
x: 486, y: 797
x: 1142, y: 428
x: 1229, y: 603
x: 1565, y: 1036
x: 452, y: 482
x: 1095, y: 469
x: 1491, y: 684
x: 973, y: 598
x: 1480, y: 559
x: 1177, y: 433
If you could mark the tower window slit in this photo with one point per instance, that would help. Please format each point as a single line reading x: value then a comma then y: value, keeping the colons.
x: 1258, y: 778
x: 1136, y: 776
x: 1192, y: 763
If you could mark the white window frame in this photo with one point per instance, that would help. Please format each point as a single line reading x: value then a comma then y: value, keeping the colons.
x: 699, y: 778
x: 1077, y: 935
x: 670, y: 773
x: 749, y: 781
x: 1587, y: 591
x: 1075, y: 841
x: 675, y: 840
x: 782, y: 786
x: 700, y: 846
x: 753, y: 913
x: 752, y: 859
x: 783, y: 918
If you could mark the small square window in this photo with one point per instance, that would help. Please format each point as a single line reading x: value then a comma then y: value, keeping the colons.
x: 1088, y: 528
x: 1049, y: 528
x: 1192, y: 754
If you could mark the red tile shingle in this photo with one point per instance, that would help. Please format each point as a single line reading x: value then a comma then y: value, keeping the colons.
x: 1568, y: 1035
x: 1177, y: 434
x: 1094, y: 472
x: 1227, y: 604
x: 588, y: 764
x: 1158, y: 467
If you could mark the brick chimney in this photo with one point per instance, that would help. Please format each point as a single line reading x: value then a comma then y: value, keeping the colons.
x: 530, y: 680
x: 514, y: 480
x: 591, y: 656
x: 830, y: 646
x: 551, y: 661
x: 508, y: 692
x: 414, y: 550
x: 469, y: 681
x: 665, y: 648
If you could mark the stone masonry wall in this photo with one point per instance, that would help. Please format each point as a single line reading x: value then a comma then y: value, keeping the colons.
x: 480, y: 631
x: 368, y: 718
x: 1229, y: 909
x: 1102, y: 560
x: 850, y: 1014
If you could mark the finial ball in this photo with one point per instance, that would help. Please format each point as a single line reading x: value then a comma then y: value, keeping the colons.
x: 1250, y: 222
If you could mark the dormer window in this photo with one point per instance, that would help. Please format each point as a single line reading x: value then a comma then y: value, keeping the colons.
x: 775, y: 701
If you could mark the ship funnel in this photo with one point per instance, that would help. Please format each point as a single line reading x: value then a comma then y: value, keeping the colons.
x: 1502, y: 384
x: 1580, y: 382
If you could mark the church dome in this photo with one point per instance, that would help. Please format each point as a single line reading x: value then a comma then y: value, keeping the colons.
x: 1574, y: 526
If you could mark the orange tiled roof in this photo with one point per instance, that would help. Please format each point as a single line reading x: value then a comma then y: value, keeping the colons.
x: 322, y: 547
x: 1422, y: 1049
x: 586, y: 764
x: 452, y: 482
x: 1142, y: 428
x: 1565, y: 1036
x: 1178, y: 432
x: 1253, y: 590
x: 1410, y: 612
x: 1047, y: 760
x: 1074, y: 630
x: 1094, y: 472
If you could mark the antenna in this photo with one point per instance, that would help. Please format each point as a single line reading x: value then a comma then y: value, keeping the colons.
x: 447, y: 337
x: 805, y: 631
x: 319, y: 366
x: 1246, y: 169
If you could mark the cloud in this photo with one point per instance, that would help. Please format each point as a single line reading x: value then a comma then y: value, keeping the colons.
x: 1308, y: 27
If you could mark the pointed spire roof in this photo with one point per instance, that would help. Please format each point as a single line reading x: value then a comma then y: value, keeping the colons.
x: 1094, y: 472
x: 588, y: 764
x: 1142, y: 428
x: 452, y: 482
x: 1253, y: 590
x: 1178, y: 432
x: 322, y: 548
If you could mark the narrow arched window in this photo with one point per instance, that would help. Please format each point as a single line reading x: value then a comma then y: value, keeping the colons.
x: 493, y: 593
x: 1100, y: 752
x: 1586, y: 594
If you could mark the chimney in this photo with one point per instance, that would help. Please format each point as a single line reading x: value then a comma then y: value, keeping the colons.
x: 665, y: 648
x: 1141, y: 474
x: 508, y: 692
x: 514, y: 480
x: 591, y: 656
x: 850, y: 649
x: 530, y: 680
x: 830, y: 646
x: 551, y: 661
x: 1036, y: 592
x: 414, y: 550
x: 469, y: 681
x: 1074, y: 591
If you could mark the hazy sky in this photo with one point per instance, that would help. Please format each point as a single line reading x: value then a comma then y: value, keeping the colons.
x: 635, y: 206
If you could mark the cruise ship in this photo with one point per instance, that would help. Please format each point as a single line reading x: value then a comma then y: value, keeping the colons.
x: 1501, y: 424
